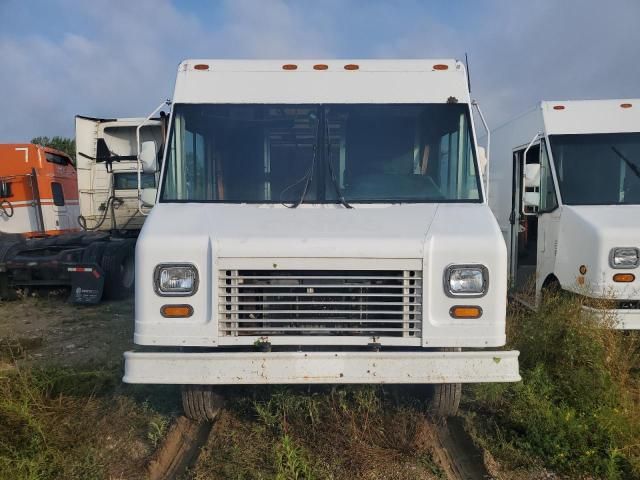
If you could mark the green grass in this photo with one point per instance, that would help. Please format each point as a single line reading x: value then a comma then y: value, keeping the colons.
x: 325, y: 433
x: 71, y: 424
x: 576, y: 410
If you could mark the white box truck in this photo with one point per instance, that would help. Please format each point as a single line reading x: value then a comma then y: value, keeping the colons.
x: 320, y: 222
x: 565, y: 188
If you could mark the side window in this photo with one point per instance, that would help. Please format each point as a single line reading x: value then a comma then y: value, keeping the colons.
x: 548, y: 199
x: 58, y: 195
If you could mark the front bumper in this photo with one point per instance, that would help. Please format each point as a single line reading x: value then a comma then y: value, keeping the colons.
x: 250, y: 368
x: 620, y: 318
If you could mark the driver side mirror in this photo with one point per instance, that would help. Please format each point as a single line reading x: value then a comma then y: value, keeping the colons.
x: 148, y: 197
x: 149, y: 157
x: 531, y: 189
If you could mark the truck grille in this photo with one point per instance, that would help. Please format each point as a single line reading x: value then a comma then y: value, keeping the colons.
x: 320, y: 302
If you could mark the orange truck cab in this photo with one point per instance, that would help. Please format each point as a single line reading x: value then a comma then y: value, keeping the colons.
x: 38, y: 191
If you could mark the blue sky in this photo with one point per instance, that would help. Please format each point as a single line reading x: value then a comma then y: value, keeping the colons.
x: 118, y: 58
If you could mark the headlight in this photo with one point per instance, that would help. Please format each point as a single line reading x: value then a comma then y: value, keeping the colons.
x: 466, y: 280
x: 624, y: 257
x: 179, y: 280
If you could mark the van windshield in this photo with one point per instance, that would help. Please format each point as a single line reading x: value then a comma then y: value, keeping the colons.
x: 598, y: 169
x: 318, y: 153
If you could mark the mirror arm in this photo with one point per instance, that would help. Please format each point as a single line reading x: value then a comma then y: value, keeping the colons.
x: 488, y: 150
x: 160, y: 107
x: 536, y: 137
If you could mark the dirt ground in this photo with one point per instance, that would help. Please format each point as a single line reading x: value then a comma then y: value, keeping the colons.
x: 51, y: 330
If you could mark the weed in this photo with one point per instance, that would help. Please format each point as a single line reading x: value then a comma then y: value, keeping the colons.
x: 576, y: 409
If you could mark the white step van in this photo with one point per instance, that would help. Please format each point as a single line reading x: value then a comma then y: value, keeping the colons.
x: 320, y: 222
x: 565, y: 188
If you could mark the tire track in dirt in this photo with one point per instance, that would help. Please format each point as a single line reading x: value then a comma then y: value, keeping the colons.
x: 456, y: 453
x: 179, y: 450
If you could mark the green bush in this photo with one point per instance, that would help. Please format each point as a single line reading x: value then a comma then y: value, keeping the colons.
x: 576, y: 410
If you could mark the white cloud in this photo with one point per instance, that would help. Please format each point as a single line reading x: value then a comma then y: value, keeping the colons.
x: 118, y: 58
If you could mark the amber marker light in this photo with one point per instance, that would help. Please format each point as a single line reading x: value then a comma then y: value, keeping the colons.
x: 176, y: 311
x: 440, y: 66
x: 201, y: 66
x: 558, y: 107
x: 626, y: 105
x: 321, y: 66
x: 624, y: 277
x: 351, y: 66
x: 289, y: 66
x: 465, y: 311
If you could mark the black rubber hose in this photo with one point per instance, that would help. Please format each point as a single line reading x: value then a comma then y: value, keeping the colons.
x: 7, y: 208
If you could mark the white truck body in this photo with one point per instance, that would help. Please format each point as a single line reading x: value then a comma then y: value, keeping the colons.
x: 589, y: 199
x: 333, y: 294
x: 102, y: 141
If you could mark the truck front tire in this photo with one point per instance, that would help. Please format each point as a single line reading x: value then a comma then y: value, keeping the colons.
x: 445, y: 400
x: 201, y: 402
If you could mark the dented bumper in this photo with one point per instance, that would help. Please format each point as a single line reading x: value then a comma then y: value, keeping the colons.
x: 249, y: 368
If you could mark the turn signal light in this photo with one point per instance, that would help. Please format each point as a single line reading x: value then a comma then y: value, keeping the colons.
x: 176, y: 311
x: 624, y: 277
x: 465, y: 311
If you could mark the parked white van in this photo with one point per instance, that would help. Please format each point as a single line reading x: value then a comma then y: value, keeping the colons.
x: 565, y: 188
x: 320, y: 222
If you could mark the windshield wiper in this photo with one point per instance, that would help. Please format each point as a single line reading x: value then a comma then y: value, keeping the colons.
x: 634, y: 168
x: 341, y: 198
x: 306, y: 178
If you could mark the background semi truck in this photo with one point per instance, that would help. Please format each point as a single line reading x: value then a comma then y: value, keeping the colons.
x: 319, y: 222
x: 565, y: 188
x: 65, y: 228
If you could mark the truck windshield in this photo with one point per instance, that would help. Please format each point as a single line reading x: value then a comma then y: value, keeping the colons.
x: 316, y: 153
x: 598, y: 169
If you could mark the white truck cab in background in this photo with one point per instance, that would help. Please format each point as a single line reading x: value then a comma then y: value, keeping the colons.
x: 565, y: 188
x: 320, y: 222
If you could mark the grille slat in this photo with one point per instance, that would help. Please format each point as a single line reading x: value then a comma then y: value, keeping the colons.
x: 316, y: 302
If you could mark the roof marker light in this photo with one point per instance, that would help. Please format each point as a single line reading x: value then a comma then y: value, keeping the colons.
x: 201, y: 66
x: 558, y: 107
x: 351, y: 66
x: 289, y: 66
x: 440, y: 66
x: 626, y: 105
x: 321, y: 66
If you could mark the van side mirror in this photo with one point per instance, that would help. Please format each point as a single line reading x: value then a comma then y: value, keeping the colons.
x: 149, y: 157
x: 148, y: 197
x: 531, y: 189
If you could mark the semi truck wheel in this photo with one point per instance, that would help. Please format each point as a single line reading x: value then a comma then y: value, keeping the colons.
x: 201, y: 402
x: 446, y: 396
x: 118, y: 264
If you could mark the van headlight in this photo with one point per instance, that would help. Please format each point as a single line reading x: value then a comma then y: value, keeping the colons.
x: 624, y: 257
x: 180, y: 280
x: 466, y: 280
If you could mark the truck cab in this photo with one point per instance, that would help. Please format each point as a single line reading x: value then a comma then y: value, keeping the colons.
x: 320, y: 222
x: 565, y: 188
x: 38, y: 191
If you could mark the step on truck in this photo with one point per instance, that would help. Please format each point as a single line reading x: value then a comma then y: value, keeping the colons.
x: 74, y: 226
x: 565, y: 188
x: 319, y: 223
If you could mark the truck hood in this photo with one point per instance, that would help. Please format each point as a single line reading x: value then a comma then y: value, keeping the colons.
x: 366, y: 231
x: 616, y: 224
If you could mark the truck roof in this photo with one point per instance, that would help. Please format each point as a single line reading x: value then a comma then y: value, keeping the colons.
x: 321, y: 81
x: 591, y: 116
